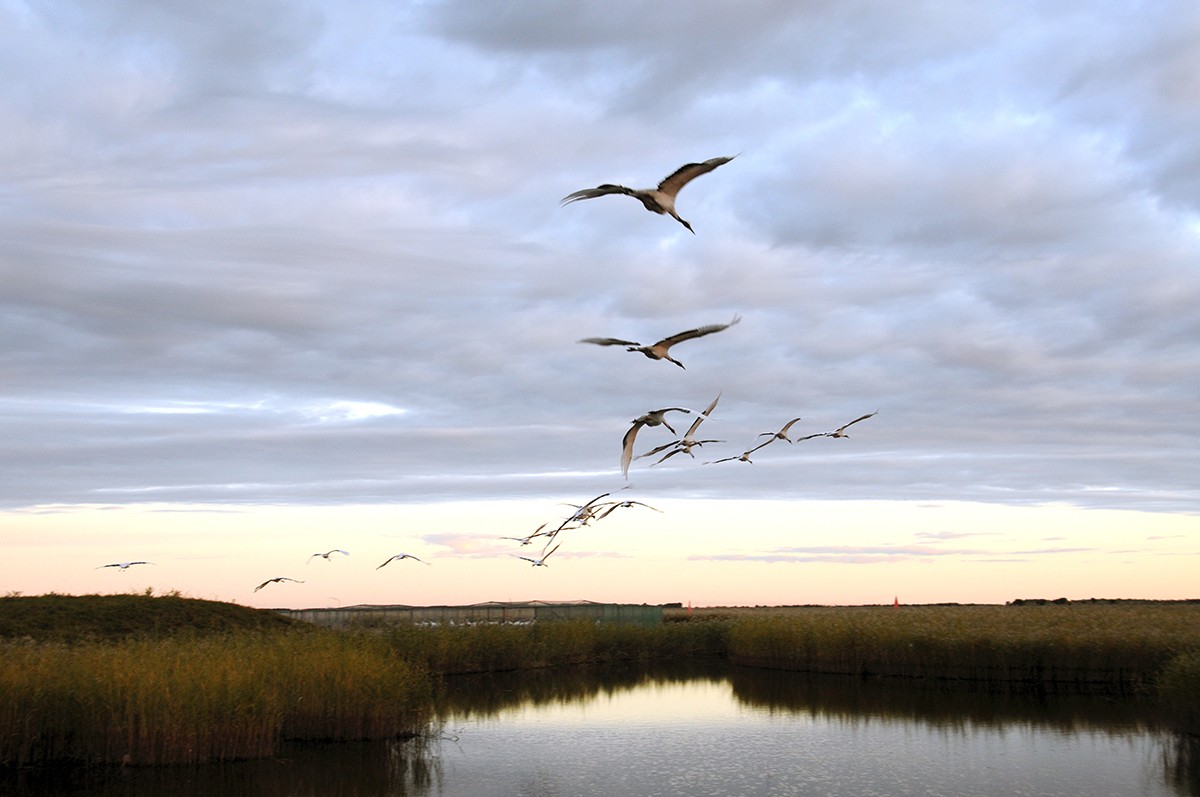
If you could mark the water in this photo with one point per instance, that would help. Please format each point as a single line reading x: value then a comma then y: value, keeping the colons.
x: 699, y: 732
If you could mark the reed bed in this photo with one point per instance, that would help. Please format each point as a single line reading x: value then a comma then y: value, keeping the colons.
x: 192, y: 699
x: 1179, y: 690
x: 499, y: 648
x: 1120, y: 647
x: 180, y: 696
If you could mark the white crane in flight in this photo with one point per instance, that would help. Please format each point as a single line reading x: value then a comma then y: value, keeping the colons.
x: 277, y: 580
x: 841, y: 430
x: 542, y: 561
x: 400, y: 556
x: 652, y: 418
x: 327, y: 554
x: 660, y: 349
x: 685, y: 444
x: 123, y: 566
x: 659, y: 200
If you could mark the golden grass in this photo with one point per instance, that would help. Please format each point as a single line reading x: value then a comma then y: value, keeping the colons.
x: 1120, y: 644
x: 184, y: 697
x: 190, y: 699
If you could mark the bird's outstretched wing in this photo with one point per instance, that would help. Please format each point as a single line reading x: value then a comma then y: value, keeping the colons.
x: 700, y: 418
x: 658, y: 449
x: 782, y: 431
x: 684, y: 175
x: 862, y: 418
x: 844, y: 427
x: 600, y: 190
x: 698, y: 332
x: 609, y: 342
x: 743, y: 456
x: 627, y: 447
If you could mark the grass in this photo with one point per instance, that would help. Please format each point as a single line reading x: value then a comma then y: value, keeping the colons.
x: 1121, y: 646
x: 141, y: 679
x: 200, y: 682
x: 74, y: 618
x: 497, y: 648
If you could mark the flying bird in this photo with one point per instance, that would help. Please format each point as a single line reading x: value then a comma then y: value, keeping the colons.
x: 612, y: 506
x: 542, y: 561
x: 526, y: 540
x: 782, y: 434
x: 743, y: 457
x: 659, y: 350
x: 582, y: 516
x: 841, y: 430
x: 659, y: 200
x: 327, y: 554
x: 652, y: 418
x: 123, y: 565
x: 400, y: 556
x: 685, y: 444
x: 276, y: 580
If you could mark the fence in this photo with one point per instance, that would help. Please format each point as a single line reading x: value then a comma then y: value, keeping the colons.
x: 480, y: 613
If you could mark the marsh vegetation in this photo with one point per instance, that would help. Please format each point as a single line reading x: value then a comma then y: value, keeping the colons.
x: 197, y: 681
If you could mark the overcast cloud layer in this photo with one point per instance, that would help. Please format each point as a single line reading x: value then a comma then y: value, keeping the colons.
x: 273, y: 252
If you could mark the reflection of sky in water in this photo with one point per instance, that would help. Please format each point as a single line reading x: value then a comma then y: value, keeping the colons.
x: 697, y: 739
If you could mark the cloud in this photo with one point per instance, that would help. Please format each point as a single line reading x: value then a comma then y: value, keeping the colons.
x: 247, y: 262
x: 879, y: 554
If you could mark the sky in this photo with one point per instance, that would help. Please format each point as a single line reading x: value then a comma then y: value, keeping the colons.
x: 283, y: 277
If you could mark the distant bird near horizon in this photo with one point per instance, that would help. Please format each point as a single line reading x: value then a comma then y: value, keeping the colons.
x: 398, y: 557
x: 841, y: 430
x: 652, y: 418
x: 277, y: 580
x: 327, y: 554
x: 123, y: 566
x: 660, y: 349
x: 542, y: 561
x: 526, y: 540
x: 661, y: 199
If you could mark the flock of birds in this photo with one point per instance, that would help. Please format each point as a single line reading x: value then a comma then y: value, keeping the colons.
x: 326, y: 555
x: 661, y: 200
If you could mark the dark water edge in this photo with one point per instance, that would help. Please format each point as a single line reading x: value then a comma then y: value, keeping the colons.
x: 402, y: 767
x: 319, y: 769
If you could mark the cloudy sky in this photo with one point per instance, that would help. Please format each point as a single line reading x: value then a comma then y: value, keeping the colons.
x: 282, y: 277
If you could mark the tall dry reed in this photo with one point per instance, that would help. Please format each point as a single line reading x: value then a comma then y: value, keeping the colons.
x: 1122, y: 645
x: 203, y: 698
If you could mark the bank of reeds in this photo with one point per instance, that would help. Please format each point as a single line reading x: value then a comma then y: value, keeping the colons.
x: 193, y: 698
x: 1179, y: 690
x: 1114, y: 647
x: 498, y: 648
x: 172, y: 696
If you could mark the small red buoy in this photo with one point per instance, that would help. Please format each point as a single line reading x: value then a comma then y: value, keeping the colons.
x: 896, y: 602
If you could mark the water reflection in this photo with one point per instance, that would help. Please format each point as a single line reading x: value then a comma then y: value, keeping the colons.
x: 396, y: 768
x: 705, y: 729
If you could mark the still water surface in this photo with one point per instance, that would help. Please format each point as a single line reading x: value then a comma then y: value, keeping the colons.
x: 706, y: 732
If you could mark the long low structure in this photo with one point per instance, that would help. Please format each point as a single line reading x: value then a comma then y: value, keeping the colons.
x: 368, y: 616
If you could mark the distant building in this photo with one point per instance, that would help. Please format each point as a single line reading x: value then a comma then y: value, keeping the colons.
x: 493, y: 612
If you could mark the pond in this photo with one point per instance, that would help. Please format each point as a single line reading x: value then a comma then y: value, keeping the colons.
x: 707, y: 731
